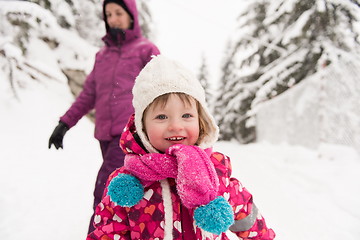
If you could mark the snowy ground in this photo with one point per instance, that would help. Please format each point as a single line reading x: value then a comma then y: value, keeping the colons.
x: 46, y: 194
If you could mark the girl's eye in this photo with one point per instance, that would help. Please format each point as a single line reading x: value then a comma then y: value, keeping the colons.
x: 187, y: 115
x: 161, y: 117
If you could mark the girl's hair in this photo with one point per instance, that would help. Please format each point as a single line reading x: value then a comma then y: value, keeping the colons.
x: 204, y: 126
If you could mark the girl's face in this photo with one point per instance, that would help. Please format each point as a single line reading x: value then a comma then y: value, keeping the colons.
x: 174, y: 123
x: 117, y: 17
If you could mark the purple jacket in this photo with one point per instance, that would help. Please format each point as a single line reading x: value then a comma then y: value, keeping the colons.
x: 108, y: 88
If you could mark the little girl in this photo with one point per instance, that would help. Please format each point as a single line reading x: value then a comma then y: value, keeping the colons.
x: 173, y: 186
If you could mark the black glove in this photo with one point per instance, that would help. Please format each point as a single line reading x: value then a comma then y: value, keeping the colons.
x: 58, y: 135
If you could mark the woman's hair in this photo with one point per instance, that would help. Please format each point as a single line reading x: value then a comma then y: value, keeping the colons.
x: 204, y: 126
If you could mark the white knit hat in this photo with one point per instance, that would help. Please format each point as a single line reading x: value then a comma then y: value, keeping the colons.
x: 161, y: 76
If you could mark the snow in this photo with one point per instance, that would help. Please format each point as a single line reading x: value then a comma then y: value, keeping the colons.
x: 296, y: 29
x: 47, y: 194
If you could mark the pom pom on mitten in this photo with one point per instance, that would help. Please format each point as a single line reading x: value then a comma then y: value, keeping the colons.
x: 215, y: 217
x: 125, y: 190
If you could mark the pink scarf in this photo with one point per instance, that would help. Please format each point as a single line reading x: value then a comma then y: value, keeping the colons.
x: 191, y: 166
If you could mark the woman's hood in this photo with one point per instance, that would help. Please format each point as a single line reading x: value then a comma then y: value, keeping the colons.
x: 135, y: 31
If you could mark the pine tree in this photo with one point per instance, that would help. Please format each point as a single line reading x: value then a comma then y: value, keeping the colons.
x: 276, y: 45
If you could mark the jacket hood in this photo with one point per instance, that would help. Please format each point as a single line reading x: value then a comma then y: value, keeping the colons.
x: 130, y: 142
x: 135, y: 31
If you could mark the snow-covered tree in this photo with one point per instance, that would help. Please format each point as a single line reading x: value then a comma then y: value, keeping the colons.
x: 145, y: 19
x: 275, y: 46
x: 82, y: 16
x: 34, y: 47
x: 203, y: 77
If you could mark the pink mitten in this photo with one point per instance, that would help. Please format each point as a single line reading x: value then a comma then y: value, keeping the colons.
x: 197, y: 181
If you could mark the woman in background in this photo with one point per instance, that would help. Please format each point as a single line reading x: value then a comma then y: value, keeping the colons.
x: 107, y: 88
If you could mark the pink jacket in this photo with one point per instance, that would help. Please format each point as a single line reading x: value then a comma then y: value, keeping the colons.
x: 149, y: 218
x: 108, y: 87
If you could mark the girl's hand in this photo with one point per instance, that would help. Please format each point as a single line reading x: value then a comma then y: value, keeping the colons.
x: 197, y: 181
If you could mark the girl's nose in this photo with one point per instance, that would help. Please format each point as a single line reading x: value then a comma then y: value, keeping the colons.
x: 175, y: 125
